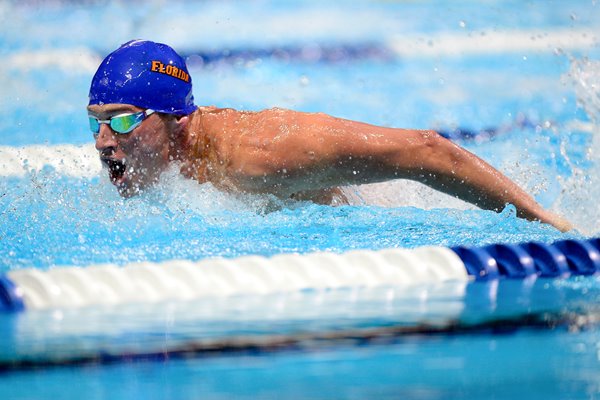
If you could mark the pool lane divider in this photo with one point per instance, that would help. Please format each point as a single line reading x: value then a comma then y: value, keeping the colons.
x: 518, y: 261
x: 60, y: 287
x: 11, y: 297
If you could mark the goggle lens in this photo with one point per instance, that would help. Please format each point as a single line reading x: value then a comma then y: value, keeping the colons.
x: 126, y: 123
x: 94, y: 125
x: 122, y: 124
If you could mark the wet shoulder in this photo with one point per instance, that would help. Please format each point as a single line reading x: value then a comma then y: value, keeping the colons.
x: 231, y: 124
x: 215, y: 120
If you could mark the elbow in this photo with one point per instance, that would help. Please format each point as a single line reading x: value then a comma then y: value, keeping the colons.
x: 436, y: 147
x: 435, y: 154
x: 433, y: 139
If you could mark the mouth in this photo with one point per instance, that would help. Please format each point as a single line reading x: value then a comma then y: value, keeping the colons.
x: 116, y: 170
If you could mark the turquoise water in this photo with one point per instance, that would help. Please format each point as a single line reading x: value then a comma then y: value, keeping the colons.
x: 541, y: 105
x: 417, y: 368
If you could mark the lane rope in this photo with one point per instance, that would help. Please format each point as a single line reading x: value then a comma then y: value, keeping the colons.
x: 187, y: 280
x: 85, y: 60
x: 183, y: 280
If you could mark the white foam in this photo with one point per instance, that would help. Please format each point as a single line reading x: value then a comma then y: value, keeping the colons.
x: 66, y: 159
x: 585, y: 77
x: 580, y: 191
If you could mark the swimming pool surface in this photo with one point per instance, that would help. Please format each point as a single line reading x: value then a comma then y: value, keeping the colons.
x: 514, y: 82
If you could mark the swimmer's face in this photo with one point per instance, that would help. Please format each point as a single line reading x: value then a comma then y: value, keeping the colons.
x: 136, y: 159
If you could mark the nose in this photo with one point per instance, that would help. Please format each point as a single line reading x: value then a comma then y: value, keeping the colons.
x: 106, y: 141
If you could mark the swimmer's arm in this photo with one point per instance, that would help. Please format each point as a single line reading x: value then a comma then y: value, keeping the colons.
x: 332, y: 151
x: 445, y: 166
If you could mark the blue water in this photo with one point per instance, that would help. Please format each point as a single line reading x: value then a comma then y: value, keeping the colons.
x: 534, y: 104
x: 420, y: 368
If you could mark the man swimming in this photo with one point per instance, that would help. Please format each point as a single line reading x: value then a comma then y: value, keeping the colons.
x: 143, y: 117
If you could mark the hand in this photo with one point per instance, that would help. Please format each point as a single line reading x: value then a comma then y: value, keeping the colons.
x: 560, y: 223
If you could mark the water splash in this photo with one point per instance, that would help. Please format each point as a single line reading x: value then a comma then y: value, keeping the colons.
x: 581, y: 189
x: 51, y: 219
x: 585, y: 77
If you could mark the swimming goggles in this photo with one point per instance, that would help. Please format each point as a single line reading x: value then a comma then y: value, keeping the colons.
x: 122, y: 123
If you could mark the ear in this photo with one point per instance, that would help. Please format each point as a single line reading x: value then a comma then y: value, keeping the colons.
x: 179, y: 125
x: 182, y: 122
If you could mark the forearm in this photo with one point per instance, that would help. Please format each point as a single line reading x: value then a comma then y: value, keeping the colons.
x: 455, y: 171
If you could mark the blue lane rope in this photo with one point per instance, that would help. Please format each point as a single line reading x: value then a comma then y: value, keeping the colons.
x: 332, y: 53
x: 560, y: 259
x: 11, y: 299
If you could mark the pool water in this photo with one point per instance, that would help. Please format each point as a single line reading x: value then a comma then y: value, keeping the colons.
x: 529, y: 107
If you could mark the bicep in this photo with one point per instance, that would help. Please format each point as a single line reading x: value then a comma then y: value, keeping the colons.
x: 333, y: 151
x: 361, y: 153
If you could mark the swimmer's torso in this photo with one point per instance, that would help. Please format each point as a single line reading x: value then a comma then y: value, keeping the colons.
x: 242, y: 151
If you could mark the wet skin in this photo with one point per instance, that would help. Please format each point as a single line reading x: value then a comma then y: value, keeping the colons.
x: 135, y: 160
x: 304, y: 155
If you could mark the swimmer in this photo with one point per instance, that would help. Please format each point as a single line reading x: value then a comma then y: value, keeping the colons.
x: 143, y: 117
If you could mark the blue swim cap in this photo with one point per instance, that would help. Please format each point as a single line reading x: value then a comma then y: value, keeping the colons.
x: 147, y: 75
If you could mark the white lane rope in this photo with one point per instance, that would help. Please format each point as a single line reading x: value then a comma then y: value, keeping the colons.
x: 76, y: 59
x: 249, y: 275
x: 411, y: 45
x: 493, y: 42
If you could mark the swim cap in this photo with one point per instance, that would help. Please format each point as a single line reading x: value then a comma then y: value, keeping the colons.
x: 147, y: 75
